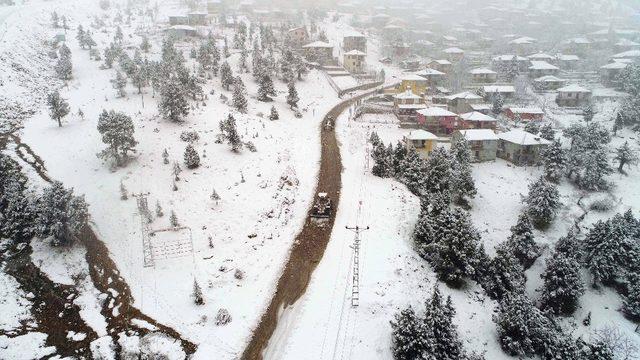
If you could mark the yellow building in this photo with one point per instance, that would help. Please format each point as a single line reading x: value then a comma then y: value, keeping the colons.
x: 422, y: 141
x: 414, y: 83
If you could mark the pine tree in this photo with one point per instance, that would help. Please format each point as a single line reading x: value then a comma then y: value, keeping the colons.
x: 55, y: 19
x: 88, y: 40
x: 119, y: 83
x: 505, y: 274
x: 191, y: 157
x: 381, y: 161
x: 453, y: 256
x: 172, y: 105
x: 617, y: 123
x: 226, y: 76
x: 497, y: 102
x: 229, y: 130
x: 543, y: 202
x: 80, y: 36
x: 117, y: 132
x: 554, y: 161
x: 173, y: 219
x: 292, y: 96
x: 17, y: 207
x: 547, y: 132
x: 531, y: 127
x: 214, y: 196
x: 145, y: 45
x: 595, y: 170
x: 159, y: 212
x: 274, y: 114
x: 123, y: 192
x: 239, y: 93
x: 442, y: 334
x: 198, y: 298
x: 61, y: 214
x: 58, y: 107
x: 176, y: 170
x: 413, y: 171
x: 64, y: 67
x: 587, y: 113
x: 625, y: 156
x: 521, y: 242
x: 610, y: 251
x: 562, y: 284
x: 631, y: 304
x: 462, y: 184
x: 266, y: 89
x: 408, y: 335
x: 165, y: 157
x: 569, y: 246
x: 438, y: 174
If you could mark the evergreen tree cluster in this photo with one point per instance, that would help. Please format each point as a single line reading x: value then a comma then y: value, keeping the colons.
x: 587, y: 158
x: 56, y: 214
x: 431, y: 336
x: 117, y: 132
x: 64, y: 66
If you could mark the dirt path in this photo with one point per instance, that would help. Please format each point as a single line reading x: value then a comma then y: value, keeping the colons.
x: 53, y: 308
x: 311, y: 242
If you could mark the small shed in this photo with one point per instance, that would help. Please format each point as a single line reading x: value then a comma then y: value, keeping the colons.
x: 422, y: 141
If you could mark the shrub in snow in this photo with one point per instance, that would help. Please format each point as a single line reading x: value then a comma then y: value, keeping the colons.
x: 238, y: 274
x: 542, y: 202
x: 562, y: 284
x: 198, y: 298
x: 433, y: 336
x: 159, y: 212
x: 521, y: 242
x: 117, y: 132
x: 292, y: 96
x: 165, y: 157
x: 61, y: 214
x: 123, y: 192
x: 603, y: 204
x: 214, y: 196
x: 250, y: 146
x: 189, y: 136
x: 625, y: 156
x: 176, y: 171
x: 223, y: 317
x: 191, y: 157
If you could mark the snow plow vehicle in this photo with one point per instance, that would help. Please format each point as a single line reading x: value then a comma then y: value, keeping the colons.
x: 322, y: 207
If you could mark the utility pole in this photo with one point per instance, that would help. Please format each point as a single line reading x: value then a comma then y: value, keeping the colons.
x: 355, y: 288
x: 143, y: 211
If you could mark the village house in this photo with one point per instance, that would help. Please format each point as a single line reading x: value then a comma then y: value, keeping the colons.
x: 573, y: 96
x: 568, y: 62
x: 433, y: 77
x: 541, y: 57
x: 437, y: 120
x: 423, y: 142
x: 542, y: 68
x: 354, y: 41
x: 631, y: 54
x: 181, y: 31
x: 609, y: 73
x: 524, y: 113
x: 198, y: 18
x: 578, y: 45
x: 482, y: 142
x: 505, y: 91
x: 318, y: 52
x: 549, y: 82
x: 503, y: 62
x: 354, y: 61
x: 214, y: 6
x: 523, y: 45
x: 476, y: 120
x: 481, y: 108
x: 406, y: 104
x: 178, y: 20
x: 298, y: 36
x: 461, y: 102
x: 483, y: 76
x: 415, y: 83
x: 453, y: 54
x: 626, y: 45
x: 441, y: 65
x: 520, y: 147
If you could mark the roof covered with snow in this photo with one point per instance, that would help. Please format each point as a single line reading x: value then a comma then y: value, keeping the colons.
x: 420, y: 135
x: 542, y: 65
x: 407, y: 95
x: 481, y: 71
x: 436, y: 111
x: 628, y: 54
x: 429, y: 71
x: 526, y: 110
x: 453, y: 50
x: 549, y: 78
x: 521, y: 137
x: 499, y: 89
x: 574, y: 88
x: 464, y: 95
x: 478, y: 134
x: 318, y: 44
x: 355, y: 52
x: 476, y: 116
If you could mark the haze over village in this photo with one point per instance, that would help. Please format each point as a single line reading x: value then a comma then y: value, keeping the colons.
x: 315, y: 180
